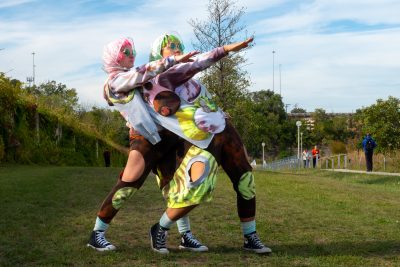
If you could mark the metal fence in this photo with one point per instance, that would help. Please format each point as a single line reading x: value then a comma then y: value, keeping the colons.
x: 293, y: 162
x: 338, y: 161
x: 286, y: 163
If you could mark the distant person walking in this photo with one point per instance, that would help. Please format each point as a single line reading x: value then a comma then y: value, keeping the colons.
x: 315, y: 156
x: 107, y: 157
x: 306, y: 157
x: 368, y: 145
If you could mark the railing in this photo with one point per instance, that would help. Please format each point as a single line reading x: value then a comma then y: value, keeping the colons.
x: 285, y: 163
x: 338, y: 161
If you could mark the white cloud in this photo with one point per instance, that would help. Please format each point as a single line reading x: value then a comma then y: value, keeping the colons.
x: 339, y: 71
x: 13, y: 3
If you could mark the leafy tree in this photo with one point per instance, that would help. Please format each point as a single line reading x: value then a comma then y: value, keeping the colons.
x: 327, y: 129
x: 108, y: 123
x: 319, y: 115
x: 298, y: 109
x: 382, y: 120
x: 226, y: 80
x: 261, y: 118
x: 268, y: 102
x: 56, y: 96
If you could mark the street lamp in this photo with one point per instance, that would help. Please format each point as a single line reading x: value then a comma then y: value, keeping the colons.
x: 298, y: 124
x: 263, y: 145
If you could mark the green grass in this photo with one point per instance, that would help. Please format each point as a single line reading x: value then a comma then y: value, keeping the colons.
x: 313, y: 218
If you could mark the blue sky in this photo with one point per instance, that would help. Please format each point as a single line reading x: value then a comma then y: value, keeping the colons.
x: 337, y: 55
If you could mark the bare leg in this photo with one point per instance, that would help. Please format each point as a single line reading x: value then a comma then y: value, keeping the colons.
x: 175, y: 214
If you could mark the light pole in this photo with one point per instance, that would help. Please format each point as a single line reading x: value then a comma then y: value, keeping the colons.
x: 263, y: 145
x: 280, y: 81
x: 33, y: 67
x: 298, y: 124
x: 301, y: 142
x: 273, y: 71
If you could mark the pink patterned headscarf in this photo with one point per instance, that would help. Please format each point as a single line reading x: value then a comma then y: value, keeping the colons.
x: 112, y: 57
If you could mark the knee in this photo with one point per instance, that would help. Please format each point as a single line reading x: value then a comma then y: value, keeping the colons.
x: 134, y: 168
x: 246, y: 186
x: 121, y: 196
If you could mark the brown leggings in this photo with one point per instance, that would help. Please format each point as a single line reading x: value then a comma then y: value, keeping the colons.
x: 226, y: 147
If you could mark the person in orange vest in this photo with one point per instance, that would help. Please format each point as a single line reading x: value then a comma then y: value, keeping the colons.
x: 315, y: 156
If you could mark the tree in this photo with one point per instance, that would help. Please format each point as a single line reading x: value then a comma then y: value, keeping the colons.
x: 268, y: 102
x: 108, y: 123
x: 382, y: 120
x: 261, y: 118
x: 56, y: 96
x: 226, y: 80
x: 298, y: 109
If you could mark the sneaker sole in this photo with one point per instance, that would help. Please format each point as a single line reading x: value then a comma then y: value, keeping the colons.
x: 259, y: 251
x: 101, y: 249
x: 201, y: 249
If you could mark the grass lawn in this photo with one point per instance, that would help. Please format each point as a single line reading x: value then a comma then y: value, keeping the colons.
x: 312, y: 218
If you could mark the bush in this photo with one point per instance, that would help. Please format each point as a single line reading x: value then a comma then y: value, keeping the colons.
x: 337, y: 147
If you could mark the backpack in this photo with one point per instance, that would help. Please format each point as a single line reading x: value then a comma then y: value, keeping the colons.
x: 369, y: 145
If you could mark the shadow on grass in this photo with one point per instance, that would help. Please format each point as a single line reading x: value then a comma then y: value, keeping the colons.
x: 366, y: 249
x: 383, y: 180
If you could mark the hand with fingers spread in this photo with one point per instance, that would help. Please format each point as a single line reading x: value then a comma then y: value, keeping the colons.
x: 238, y: 46
x: 186, y: 57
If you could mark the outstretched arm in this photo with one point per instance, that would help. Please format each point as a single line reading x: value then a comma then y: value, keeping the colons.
x: 133, y: 78
x: 238, y: 46
x: 181, y: 73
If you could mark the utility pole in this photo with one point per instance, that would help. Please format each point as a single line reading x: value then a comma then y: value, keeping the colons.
x: 280, y: 81
x: 273, y: 71
x: 33, y: 67
x: 286, y: 106
x: 31, y: 79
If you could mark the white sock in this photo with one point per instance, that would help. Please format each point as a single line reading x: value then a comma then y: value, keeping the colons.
x: 165, y: 221
x: 183, y: 224
x: 100, y: 225
x: 248, y: 227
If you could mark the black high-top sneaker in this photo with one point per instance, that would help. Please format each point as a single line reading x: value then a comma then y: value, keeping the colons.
x: 99, y: 242
x: 189, y: 242
x: 253, y: 243
x: 158, y: 238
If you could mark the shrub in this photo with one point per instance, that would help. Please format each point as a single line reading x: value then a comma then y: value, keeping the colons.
x: 337, y: 147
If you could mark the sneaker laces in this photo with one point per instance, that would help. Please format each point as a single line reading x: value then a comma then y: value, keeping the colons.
x: 161, y: 237
x: 254, y: 239
x: 101, y: 239
x: 189, y: 238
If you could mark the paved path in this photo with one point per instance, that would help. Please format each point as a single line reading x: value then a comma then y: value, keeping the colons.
x: 373, y: 173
